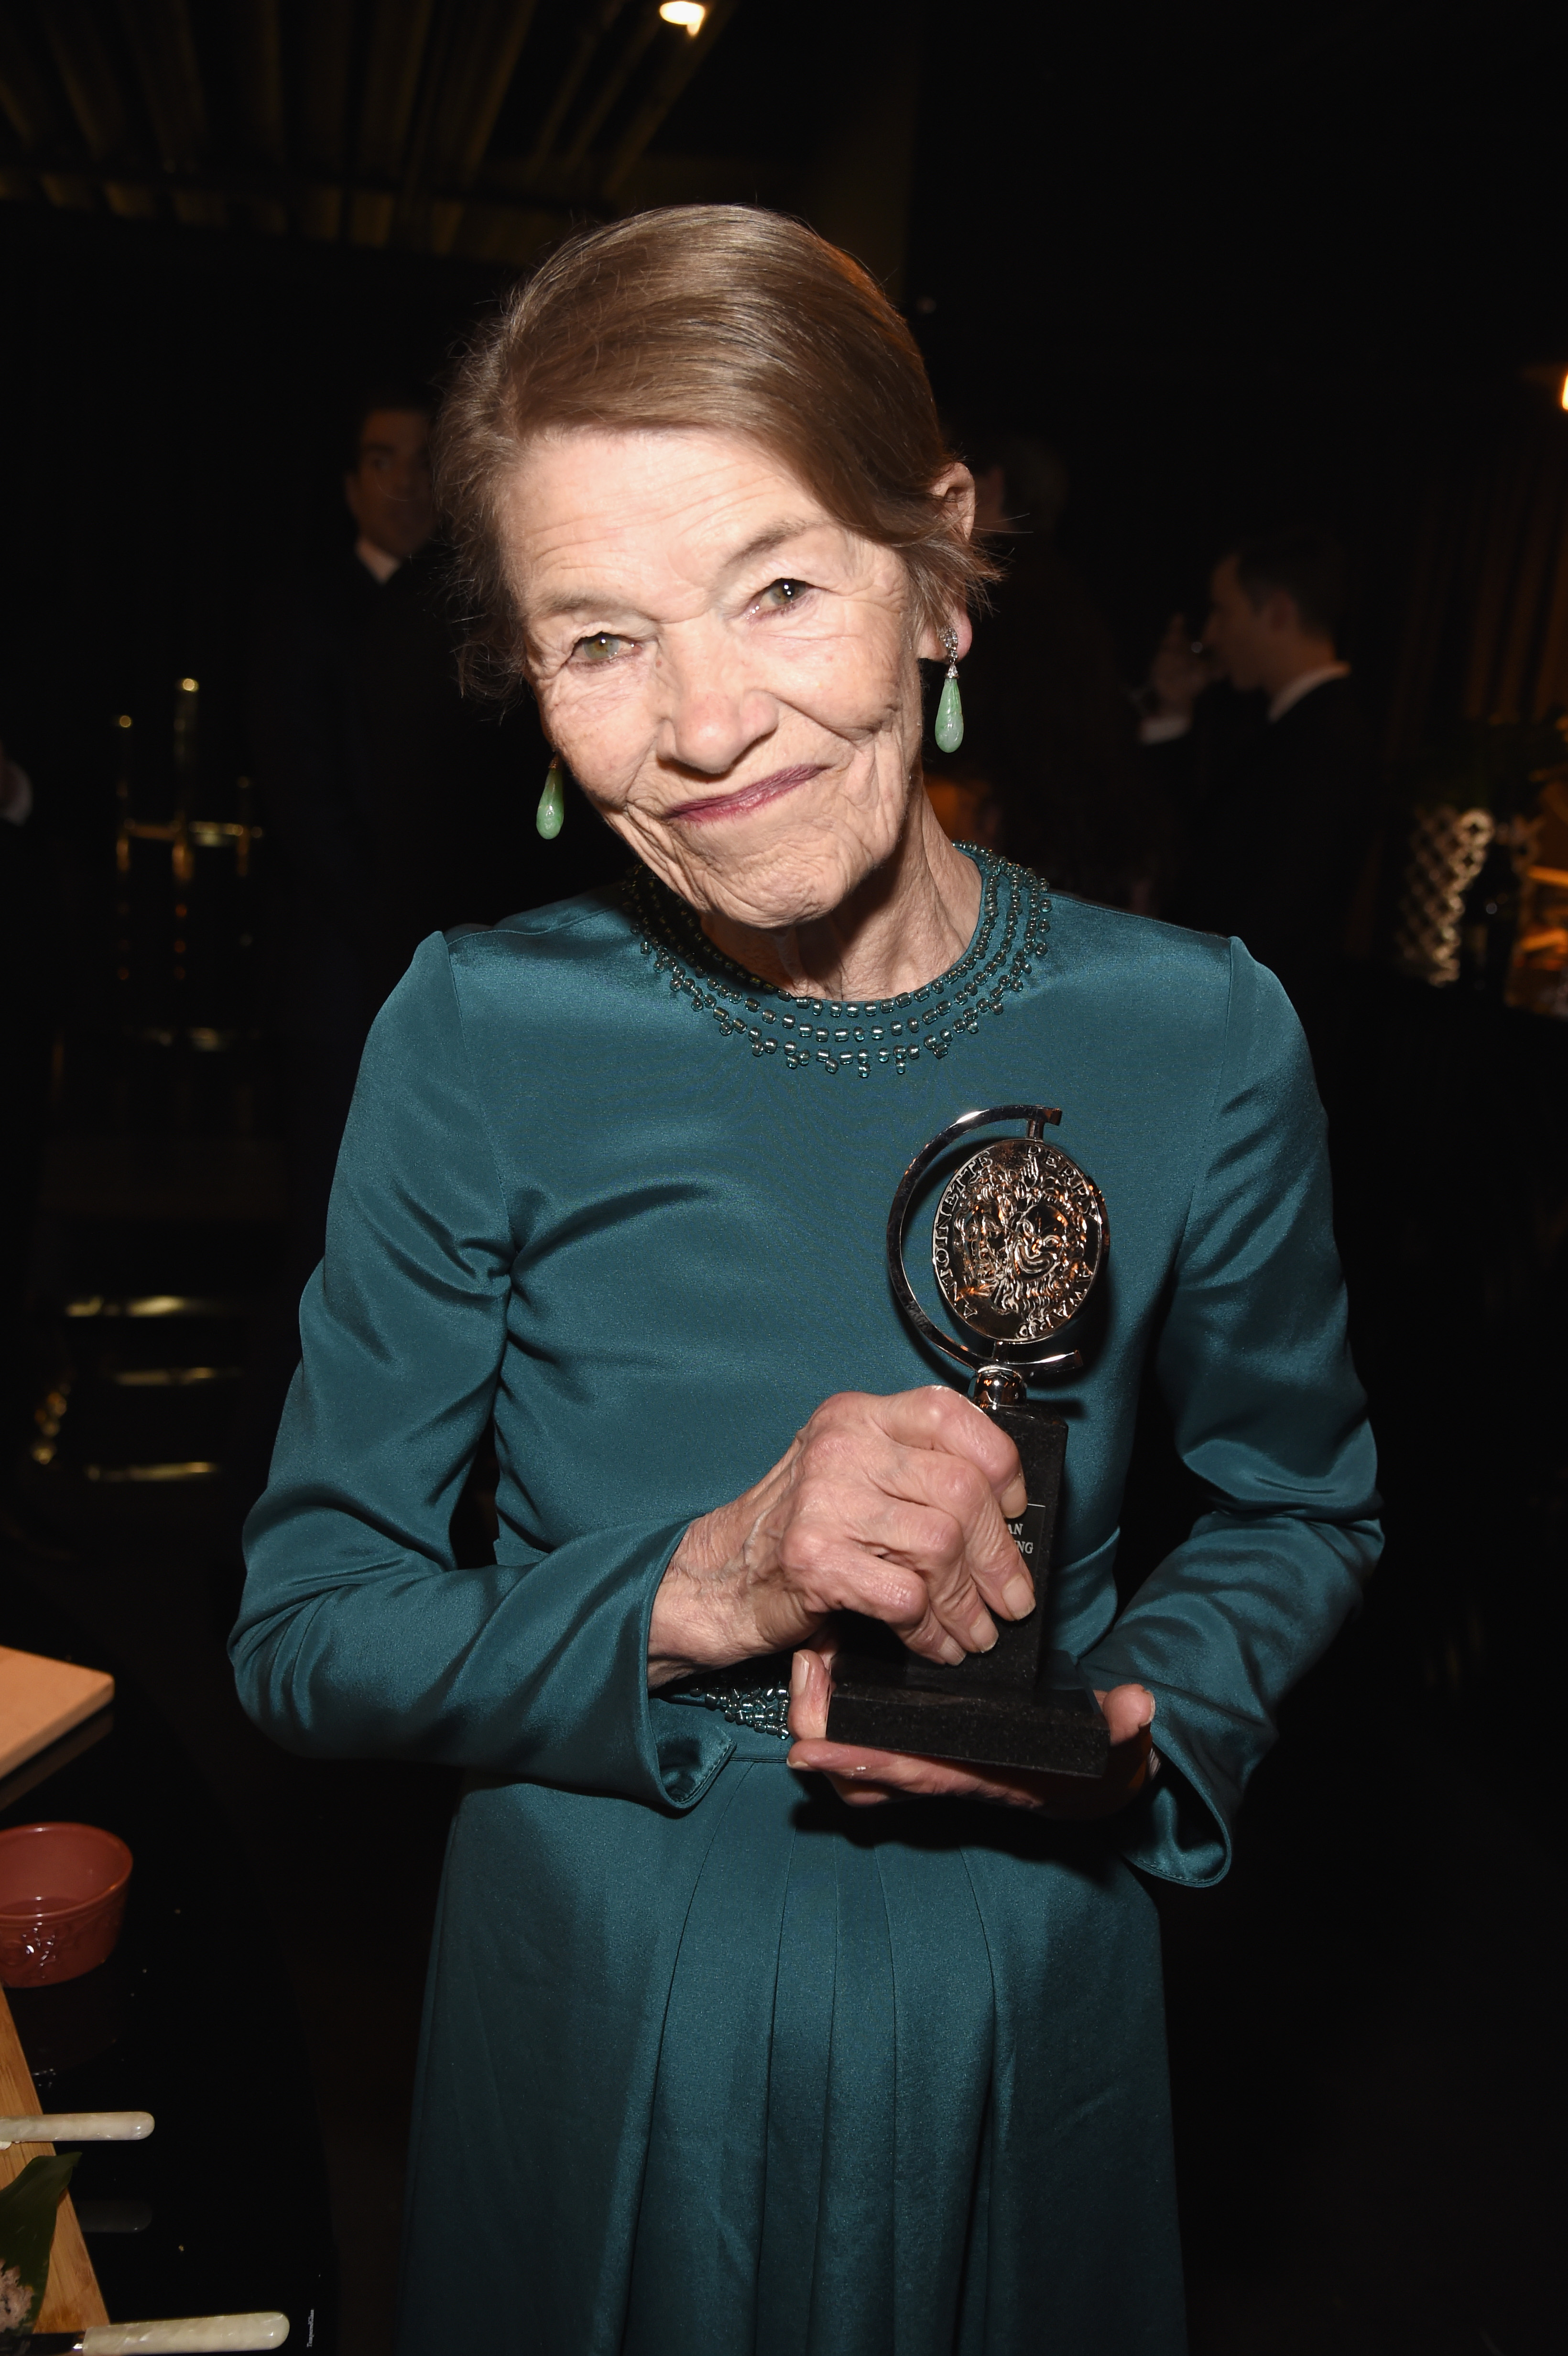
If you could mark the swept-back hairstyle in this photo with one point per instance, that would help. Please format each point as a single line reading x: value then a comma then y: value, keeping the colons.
x: 718, y: 316
x: 1309, y: 567
x: 380, y: 399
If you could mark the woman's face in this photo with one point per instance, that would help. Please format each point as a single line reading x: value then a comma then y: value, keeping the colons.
x: 729, y: 674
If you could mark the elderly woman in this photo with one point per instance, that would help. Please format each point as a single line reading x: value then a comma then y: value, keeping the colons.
x: 722, y: 2053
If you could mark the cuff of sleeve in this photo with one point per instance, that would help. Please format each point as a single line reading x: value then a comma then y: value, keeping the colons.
x: 1181, y: 1829
x: 684, y: 1749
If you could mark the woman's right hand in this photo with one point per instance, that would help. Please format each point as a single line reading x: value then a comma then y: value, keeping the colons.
x: 894, y: 1507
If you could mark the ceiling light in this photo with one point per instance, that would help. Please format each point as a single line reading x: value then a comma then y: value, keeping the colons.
x: 686, y: 13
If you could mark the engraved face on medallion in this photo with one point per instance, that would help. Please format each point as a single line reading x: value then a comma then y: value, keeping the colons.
x: 1018, y: 1242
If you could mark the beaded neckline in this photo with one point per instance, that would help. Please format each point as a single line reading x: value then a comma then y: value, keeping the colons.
x: 865, y: 1035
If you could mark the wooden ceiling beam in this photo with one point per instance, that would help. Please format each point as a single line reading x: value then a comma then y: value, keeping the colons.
x: 31, y: 107
x: 398, y: 39
x: 328, y: 37
x: 643, y: 36
x: 91, y: 87
x: 398, y: 102
x: 465, y: 101
x: 588, y: 42
x: 159, y: 36
x: 477, y: 88
x: 509, y: 220
x: 259, y: 79
x: 675, y: 71
x: 24, y: 93
x: 258, y: 47
x: 240, y: 182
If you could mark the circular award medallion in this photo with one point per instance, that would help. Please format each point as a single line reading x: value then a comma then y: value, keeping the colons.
x: 1020, y: 1235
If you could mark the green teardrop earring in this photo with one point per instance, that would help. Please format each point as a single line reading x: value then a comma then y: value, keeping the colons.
x: 950, y: 711
x: 550, y: 815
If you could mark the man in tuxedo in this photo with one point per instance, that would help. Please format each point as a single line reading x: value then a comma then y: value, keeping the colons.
x: 393, y: 807
x: 316, y: 797
x: 316, y: 800
x: 1270, y: 765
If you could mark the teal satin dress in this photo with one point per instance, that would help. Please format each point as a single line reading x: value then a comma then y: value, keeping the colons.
x: 712, y: 2065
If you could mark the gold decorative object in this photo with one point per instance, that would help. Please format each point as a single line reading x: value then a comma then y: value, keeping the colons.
x: 1447, y: 849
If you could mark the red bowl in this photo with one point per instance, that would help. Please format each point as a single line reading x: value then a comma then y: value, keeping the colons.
x: 62, y: 1899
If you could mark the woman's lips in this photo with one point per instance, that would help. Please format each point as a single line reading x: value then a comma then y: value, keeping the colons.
x: 747, y: 799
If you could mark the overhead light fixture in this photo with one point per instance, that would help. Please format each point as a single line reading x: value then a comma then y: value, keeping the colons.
x: 688, y: 14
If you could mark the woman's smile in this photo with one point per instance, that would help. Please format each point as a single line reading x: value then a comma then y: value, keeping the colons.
x: 744, y: 799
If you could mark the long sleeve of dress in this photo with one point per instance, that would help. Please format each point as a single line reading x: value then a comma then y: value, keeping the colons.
x: 1254, y: 1365
x: 359, y: 1635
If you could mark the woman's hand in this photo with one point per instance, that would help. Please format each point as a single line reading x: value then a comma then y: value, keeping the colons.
x: 894, y: 1507
x: 866, y: 1778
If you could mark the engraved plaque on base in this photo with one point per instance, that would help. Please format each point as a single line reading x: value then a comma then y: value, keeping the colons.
x: 1018, y: 1239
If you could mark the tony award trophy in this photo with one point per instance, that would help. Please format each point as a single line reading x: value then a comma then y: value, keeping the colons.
x: 1018, y: 1242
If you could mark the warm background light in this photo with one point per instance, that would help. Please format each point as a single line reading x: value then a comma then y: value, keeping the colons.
x: 689, y: 13
x: 1564, y: 395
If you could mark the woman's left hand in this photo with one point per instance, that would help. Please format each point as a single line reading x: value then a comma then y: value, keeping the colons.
x: 866, y: 1778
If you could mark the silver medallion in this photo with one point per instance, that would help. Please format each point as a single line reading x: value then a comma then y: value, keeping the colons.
x: 1017, y: 1241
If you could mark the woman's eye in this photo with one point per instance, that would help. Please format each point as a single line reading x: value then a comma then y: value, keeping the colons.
x: 601, y: 647
x: 779, y: 594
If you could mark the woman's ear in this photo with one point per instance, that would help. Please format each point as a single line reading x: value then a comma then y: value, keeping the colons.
x: 955, y: 486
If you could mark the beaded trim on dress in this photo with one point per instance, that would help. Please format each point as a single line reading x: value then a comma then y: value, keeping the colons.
x: 861, y: 1036
x: 753, y: 1694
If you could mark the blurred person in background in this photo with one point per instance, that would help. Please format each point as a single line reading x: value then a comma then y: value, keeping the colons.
x: 1048, y: 769
x: 1268, y: 760
x: 394, y: 808
x: 316, y: 793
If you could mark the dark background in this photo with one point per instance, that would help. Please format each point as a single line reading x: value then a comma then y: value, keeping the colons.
x: 1241, y: 268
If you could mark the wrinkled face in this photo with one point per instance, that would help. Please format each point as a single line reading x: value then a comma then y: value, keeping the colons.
x: 1237, y: 633
x: 729, y: 674
x: 389, y: 493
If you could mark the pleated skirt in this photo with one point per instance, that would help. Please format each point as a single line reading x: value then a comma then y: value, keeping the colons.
x: 782, y: 2078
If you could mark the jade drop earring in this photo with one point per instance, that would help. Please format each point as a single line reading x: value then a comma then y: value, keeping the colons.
x: 950, y: 711
x: 550, y: 815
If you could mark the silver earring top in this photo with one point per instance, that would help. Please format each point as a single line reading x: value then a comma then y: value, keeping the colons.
x: 950, y: 640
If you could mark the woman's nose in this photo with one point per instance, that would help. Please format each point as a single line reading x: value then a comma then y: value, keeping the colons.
x: 712, y: 715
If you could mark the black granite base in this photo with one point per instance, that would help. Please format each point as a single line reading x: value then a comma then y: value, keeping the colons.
x: 1058, y: 1727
